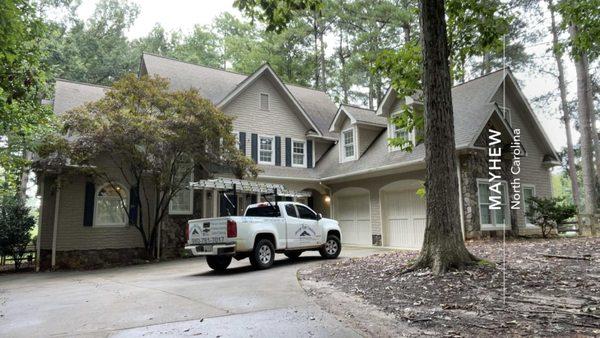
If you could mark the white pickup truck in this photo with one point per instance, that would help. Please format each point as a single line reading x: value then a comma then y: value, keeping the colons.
x: 265, y: 229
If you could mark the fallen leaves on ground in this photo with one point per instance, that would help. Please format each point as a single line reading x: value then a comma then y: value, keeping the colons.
x: 516, y: 290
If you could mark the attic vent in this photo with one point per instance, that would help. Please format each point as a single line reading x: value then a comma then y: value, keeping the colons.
x: 264, y: 101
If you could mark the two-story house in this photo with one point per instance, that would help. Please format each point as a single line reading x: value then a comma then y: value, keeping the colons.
x: 338, y: 155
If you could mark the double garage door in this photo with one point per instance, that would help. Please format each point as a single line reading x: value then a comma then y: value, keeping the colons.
x: 404, y: 219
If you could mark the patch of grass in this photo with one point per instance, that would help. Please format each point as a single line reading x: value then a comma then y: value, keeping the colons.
x: 485, y: 262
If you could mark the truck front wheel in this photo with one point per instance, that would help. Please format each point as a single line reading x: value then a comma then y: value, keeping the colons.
x: 263, y: 255
x: 218, y: 263
x: 332, y: 247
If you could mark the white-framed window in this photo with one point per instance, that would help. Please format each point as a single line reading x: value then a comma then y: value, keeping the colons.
x: 505, y: 112
x: 298, y: 153
x: 395, y: 132
x: 182, y: 202
x: 493, y: 218
x: 266, y: 155
x: 528, y: 191
x: 348, y: 144
x: 110, y: 206
x: 264, y: 101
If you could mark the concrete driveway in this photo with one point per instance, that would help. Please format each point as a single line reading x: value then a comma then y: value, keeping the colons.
x: 177, y: 298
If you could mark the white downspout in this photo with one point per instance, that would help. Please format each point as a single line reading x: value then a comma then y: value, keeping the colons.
x: 38, y: 242
x: 460, y: 200
x: 55, y: 225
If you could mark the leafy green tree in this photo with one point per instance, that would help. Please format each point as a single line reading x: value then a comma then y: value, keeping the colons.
x: 158, y: 41
x: 549, y: 213
x: 97, y: 51
x: 15, y: 226
x: 201, y: 47
x: 583, y: 21
x: 22, y: 87
x: 154, y: 137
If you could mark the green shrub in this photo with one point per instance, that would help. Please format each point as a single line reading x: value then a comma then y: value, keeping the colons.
x: 15, y: 225
x: 548, y: 213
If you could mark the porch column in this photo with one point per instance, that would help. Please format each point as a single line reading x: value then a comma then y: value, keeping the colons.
x: 215, y: 205
x: 38, y: 242
x: 55, y: 225
x: 204, y: 204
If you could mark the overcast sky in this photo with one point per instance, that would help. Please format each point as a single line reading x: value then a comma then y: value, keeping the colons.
x: 184, y: 14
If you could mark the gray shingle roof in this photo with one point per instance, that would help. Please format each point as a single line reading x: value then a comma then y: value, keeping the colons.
x: 215, y: 84
x: 365, y: 115
x: 71, y: 94
x: 471, y: 104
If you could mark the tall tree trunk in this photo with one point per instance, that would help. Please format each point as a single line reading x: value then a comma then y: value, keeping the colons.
x: 564, y: 106
x: 343, y: 70
x: 584, y: 113
x: 316, y: 50
x: 593, y: 119
x: 443, y: 246
x: 322, y: 65
x: 485, y: 64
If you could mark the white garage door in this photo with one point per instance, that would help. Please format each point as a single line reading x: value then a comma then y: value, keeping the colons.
x: 404, y: 219
x: 352, y: 212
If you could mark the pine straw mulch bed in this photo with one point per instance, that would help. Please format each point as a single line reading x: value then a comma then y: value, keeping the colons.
x: 544, y: 296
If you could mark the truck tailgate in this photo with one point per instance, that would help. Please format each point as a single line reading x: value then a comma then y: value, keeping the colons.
x: 208, y: 231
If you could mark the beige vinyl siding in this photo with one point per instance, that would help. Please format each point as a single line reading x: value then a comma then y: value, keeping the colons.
x: 374, y: 186
x: 71, y: 234
x: 366, y: 136
x: 281, y: 119
x: 532, y: 170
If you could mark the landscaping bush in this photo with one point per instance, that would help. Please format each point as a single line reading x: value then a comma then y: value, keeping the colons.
x: 548, y: 213
x: 15, y: 226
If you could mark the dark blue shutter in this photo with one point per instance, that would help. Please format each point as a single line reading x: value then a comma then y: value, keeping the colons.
x: 309, y: 153
x: 242, y: 139
x: 277, y: 150
x: 88, y: 204
x: 254, y: 146
x: 288, y: 152
x: 133, y: 205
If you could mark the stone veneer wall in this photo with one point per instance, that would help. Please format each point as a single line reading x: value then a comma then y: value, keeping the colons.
x: 92, y: 259
x: 474, y: 165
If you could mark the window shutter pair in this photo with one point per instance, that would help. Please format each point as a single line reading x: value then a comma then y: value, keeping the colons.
x: 288, y: 153
x: 254, y: 148
x: 90, y: 199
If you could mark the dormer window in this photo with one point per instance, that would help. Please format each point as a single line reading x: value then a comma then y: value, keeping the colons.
x: 505, y: 112
x: 395, y: 132
x: 348, y: 145
x: 264, y: 101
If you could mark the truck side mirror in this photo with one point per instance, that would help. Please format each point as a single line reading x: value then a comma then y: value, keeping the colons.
x: 319, y: 216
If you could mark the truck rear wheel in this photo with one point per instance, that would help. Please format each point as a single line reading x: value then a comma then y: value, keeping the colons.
x: 218, y: 263
x: 332, y: 247
x: 263, y: 254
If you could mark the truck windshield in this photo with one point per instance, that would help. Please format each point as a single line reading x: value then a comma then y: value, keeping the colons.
x: 264, y: 211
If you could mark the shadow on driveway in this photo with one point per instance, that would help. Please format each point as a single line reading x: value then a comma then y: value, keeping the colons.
x: 248, y: 268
